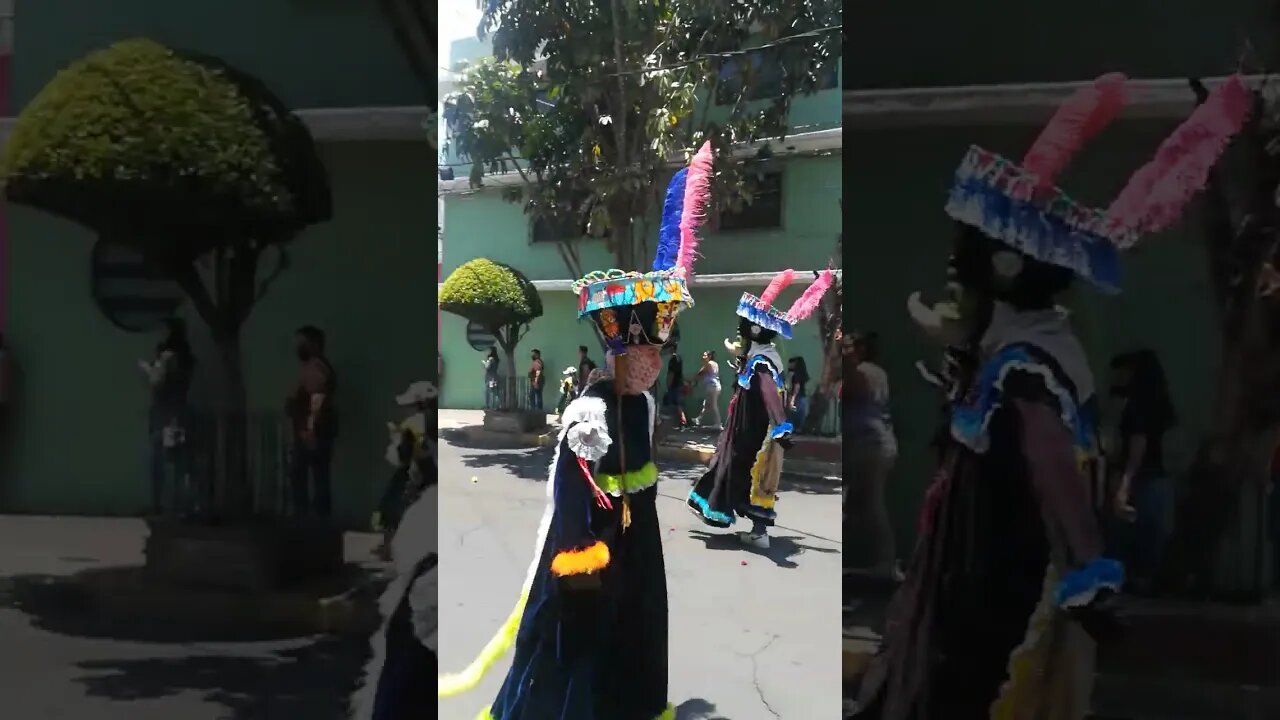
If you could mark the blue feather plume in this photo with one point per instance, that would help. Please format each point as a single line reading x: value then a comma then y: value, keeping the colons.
x: 669, y: 230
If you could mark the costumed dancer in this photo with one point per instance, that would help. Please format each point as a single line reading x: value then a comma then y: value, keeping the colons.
x: 590, y: 627
x: 1008, y: 588
x: 742, y: 479
x: 404, y: 649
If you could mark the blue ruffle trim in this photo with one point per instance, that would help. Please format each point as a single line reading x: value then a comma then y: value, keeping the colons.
x: 744, y: 377
x: 1079, y: 587
x: 970, y: 419
x: 707, y: 512
x: 767, y: 318
x: 782, y: 429
x: 1057, y: 231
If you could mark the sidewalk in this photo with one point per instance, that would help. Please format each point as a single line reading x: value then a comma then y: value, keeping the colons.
x: 813, y: 458
x: 57, y: 568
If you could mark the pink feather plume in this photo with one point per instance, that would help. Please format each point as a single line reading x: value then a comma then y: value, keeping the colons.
x: 808, y: 302
x: 779, y: 282
x: 1156, y: 194
x: 1077, y: 121
x: 697, y: 189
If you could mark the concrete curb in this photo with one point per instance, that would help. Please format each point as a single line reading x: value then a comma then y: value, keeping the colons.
x: 133, y: 599
x: 815, y: 470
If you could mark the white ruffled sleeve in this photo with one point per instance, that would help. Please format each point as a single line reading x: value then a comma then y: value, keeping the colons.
x: 588, y: 440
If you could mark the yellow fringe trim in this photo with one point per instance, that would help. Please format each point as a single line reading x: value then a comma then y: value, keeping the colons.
x: 1029, y: 662
x: 668, y: 714
x: 758, y: 468
x: 592, y: 558
x: 456, y: 684
x: 629, y: 482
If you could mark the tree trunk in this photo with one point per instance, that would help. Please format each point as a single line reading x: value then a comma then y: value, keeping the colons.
x: 232, y: 489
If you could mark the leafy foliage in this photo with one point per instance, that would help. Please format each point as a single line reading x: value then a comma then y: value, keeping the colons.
x: 588, y: 101
x: 139, y: 131
x: 491, y: 294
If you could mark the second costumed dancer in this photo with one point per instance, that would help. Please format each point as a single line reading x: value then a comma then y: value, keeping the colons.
x: 590, y: 627
x: 1007, y: 589
x: 742, y: 479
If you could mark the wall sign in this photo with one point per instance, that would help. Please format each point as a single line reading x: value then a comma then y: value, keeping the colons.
x: 129, y: 293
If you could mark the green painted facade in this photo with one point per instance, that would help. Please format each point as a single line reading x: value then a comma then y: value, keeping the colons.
x: 481, y: 224
x: 76, y: 441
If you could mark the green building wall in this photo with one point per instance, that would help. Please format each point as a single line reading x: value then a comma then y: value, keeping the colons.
x: 897, y: 239
x: 483, y: 225
x: 76, y: 440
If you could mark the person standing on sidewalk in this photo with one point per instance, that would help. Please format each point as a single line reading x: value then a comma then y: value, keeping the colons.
x: 709, y: 379
x: 742, y: 479
x: 671, y: 400
x: 491, y: 394
x: 590, y: 627
x: 169, y: 373
x: 585, y: 366
x: 315, y: 423
x: 537, y: 380
x: 874, y: 451
x: 797, y: 395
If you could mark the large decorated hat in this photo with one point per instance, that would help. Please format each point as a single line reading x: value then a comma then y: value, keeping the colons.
x: 634, y: 308
x: 1019, y: 205
x: 760, y: 310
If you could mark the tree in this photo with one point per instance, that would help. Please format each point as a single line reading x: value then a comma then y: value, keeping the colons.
x: 1242, y: 249
x: 191, y: 163
x: 589, y: 102
x: 498, y: 298
x: 830, y: 317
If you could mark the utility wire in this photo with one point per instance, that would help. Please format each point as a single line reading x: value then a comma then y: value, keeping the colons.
x: 707, y: 56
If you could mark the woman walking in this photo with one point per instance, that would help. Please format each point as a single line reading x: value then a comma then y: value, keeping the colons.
x: 709, y: 378
x: 875, y: 450
x: 1144, y: 492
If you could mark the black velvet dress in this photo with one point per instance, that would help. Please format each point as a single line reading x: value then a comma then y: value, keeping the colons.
x: 725, y: 490
x: 600, y: 652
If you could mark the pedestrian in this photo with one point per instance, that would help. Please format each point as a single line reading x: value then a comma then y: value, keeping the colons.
x: 1143, y: 496
x: 314, y: 416
x: 169, y: 373
x: 568, y: 389
x: 590, y: 629
x: 874, y: 450
x: 709, y: 380
x: 404, y: 650
x: 536, y: 380
x: 585, y: 366
x: 671, y: 399
x: 490, y: 363
x: 408, y: 438
x: 742, y: 478
x: 797, y: 392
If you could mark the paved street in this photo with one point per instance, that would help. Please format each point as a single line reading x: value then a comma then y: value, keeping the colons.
x: 754, y: 635
x: 57, y: 662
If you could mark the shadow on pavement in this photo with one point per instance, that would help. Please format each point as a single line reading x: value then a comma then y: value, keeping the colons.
x: 698, y: 709
x: 312, y: 682
x: 781, y: 547
x: 463, y: 438
x: 119, y: 603
x: 807, y: 486
x: 528, y: 464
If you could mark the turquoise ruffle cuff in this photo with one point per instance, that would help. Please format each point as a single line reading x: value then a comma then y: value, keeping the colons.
x: 1081, y: 586
x: 782, y: 429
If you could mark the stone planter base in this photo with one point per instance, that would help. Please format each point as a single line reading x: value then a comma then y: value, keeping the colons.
x: 515, y: 422
x: 255, y: 557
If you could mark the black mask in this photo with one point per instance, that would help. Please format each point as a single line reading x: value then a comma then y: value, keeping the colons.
x: 305, y: 353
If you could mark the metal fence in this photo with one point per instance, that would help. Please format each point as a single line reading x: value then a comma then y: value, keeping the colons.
x: 196, y: 470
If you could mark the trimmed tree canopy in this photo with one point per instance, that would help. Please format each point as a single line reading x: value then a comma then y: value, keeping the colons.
x: 491, y: 294
x: 139, y: 137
